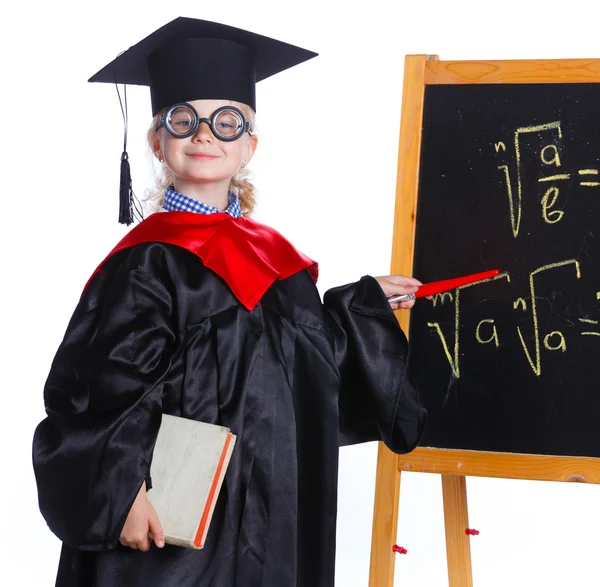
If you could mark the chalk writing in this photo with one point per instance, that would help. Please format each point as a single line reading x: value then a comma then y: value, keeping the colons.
x: 493, y: 337
x: 549, y: 156
x: 535, y: 361
x: 555, y: 177
x: 588, y: 321
x: 515, y: 205
x: 487, y: 333
x: 453, y: 360
x: 589, y: 172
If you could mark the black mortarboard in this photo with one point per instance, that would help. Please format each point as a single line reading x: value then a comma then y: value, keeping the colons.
x: 190, y: 59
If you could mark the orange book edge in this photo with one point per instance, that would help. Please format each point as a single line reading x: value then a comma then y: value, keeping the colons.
x: 212, y: 494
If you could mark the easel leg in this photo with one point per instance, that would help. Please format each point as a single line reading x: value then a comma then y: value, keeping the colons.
x: 456, y: 517
x: 385, y: 518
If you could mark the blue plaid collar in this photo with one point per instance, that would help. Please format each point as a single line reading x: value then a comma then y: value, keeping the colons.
x: 176, y: 202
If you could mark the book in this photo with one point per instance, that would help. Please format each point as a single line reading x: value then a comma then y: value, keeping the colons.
x: 188, y: 467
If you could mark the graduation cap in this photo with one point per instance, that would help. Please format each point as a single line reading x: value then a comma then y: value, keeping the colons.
x: 191, y: 59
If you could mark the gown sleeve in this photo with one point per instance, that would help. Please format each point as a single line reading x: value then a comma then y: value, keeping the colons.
x: 378, y: 400
x: 103, y: 403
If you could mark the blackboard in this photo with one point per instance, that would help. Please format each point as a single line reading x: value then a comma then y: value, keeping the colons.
x: 500, y: 410
x: 509, y: 179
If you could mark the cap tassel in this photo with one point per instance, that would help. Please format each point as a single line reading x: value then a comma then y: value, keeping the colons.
x: 125, y: 192
x: 129, y: 206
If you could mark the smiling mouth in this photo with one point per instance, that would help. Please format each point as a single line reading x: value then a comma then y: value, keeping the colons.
x: 202, y: 156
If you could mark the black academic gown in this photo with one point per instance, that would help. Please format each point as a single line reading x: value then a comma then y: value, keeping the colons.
x: 294, y: 378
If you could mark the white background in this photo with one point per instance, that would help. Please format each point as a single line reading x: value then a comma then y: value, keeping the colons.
x: 326, y: 176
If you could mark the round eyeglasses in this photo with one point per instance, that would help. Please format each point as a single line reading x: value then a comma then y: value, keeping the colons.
x: 226, y: 123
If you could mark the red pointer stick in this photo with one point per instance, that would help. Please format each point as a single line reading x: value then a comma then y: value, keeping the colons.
x: 436, y: 287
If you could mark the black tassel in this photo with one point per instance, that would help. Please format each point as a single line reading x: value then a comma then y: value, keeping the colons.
x: 129, y: 206
x: 125, y: 192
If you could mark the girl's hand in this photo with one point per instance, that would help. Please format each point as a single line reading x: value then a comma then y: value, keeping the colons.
x: 396, y: 285
x: 141, y: 520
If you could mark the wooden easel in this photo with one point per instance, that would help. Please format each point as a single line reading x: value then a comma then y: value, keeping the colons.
x: 455, y: 465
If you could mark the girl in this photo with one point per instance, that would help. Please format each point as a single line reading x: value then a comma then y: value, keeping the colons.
x: 203, y: 313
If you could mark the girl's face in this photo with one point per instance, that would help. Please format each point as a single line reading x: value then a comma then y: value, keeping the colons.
x: 202, y: 158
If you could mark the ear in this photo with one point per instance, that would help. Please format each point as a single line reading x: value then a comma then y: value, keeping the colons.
x: 155, y: 146
x: 251, y: 145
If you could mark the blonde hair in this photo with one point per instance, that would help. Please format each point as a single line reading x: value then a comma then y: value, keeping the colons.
x: 239, y: 184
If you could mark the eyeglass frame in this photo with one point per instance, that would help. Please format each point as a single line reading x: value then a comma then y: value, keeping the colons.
x: 210, y: 121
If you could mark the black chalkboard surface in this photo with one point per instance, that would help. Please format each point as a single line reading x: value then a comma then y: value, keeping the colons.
x: 509, y: 179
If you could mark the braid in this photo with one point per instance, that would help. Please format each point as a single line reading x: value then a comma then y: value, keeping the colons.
x: 245, y: 190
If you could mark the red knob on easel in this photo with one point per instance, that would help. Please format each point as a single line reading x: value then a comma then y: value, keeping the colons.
x: 470, y: 532
x: 399, y: 549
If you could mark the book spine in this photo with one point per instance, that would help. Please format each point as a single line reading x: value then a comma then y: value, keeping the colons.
x: 214, y: 491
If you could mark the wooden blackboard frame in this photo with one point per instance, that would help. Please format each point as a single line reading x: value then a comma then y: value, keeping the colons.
x: 455, y: 465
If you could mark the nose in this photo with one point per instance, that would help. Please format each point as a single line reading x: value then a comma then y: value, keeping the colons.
x: 203, y: 134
